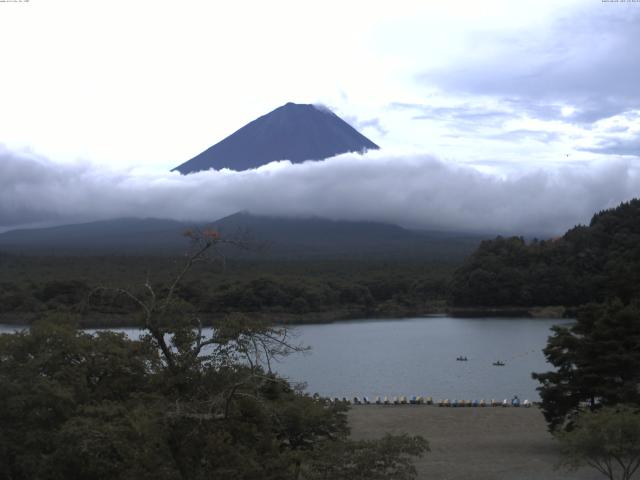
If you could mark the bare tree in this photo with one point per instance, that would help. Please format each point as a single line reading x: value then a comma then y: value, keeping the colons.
x: 180, y: 336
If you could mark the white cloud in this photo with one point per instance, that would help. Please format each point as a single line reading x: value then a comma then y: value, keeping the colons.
x: 413, y: 190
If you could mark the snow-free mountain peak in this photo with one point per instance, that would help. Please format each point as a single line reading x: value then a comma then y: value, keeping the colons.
x: 295, y: 132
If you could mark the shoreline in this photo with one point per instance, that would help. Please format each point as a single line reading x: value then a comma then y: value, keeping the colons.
x: 548, y: 311
x: 100, y: 320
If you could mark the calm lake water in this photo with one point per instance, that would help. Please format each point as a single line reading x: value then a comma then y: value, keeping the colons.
x: 417, y: 356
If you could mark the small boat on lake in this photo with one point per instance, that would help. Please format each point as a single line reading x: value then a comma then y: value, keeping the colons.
x: 461, y: 358
x: 498, y: 364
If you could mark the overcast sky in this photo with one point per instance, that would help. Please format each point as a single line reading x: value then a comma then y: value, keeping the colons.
x: 503, y: 94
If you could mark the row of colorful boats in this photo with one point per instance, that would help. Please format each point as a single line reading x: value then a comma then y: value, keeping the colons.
x: 514, y: 402
x: 418, y: 400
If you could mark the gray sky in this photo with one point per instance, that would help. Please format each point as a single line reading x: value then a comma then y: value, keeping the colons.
x: 491, y: 99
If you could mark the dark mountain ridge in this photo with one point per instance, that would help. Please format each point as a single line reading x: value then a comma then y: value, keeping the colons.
x: 281, y: 237
x: 321, y: 237
x: 122, y: 235
x: 294, y: 132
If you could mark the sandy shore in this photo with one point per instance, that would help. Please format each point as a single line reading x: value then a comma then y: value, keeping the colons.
x: 471, y: 443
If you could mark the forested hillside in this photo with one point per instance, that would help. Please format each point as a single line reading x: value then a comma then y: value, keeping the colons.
x: 294, y: 291
x: 587, y: 264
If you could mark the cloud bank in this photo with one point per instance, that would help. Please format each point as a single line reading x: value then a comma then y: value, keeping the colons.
x: 583, y: 60
x: 416, y: 190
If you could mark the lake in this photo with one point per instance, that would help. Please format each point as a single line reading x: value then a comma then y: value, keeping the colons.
x: 417, y: 356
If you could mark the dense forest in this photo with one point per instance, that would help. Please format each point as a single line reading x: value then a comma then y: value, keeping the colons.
x: 587, y: 264
x: 296, y: 291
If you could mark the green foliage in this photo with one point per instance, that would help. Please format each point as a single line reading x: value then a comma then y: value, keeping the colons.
x: 596, y: 361
x: 607, y: 440
x: 48, y: 376
x: 69, y: 292
x: 31, y: 286
x: 587, y: 264
x: 175, y: 404
x: 74, y: 405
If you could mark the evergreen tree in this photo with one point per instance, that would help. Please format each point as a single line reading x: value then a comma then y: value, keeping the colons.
x: 596, y: 362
